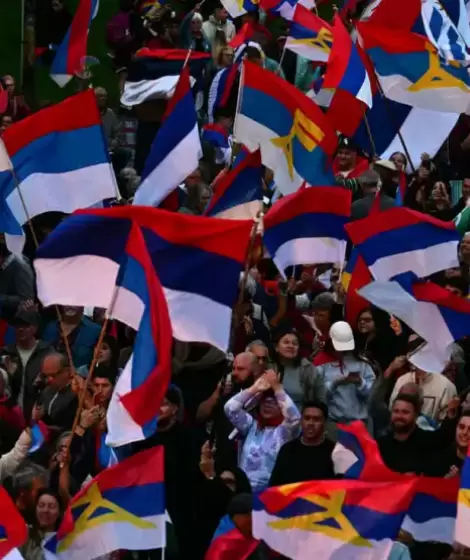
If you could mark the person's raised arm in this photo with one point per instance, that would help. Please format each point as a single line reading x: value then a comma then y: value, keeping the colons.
x: 234, y: 408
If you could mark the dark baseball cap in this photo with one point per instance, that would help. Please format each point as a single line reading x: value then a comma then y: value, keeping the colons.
x: 26, y: 317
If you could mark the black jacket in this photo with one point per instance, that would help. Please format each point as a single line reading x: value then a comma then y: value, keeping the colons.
x: 59, y: 407
x: 17, y: 284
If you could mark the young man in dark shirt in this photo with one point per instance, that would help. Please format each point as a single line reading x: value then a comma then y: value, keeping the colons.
x: 307, y: 457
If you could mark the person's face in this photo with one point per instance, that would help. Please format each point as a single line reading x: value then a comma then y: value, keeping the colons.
x: 403, y: 416
x: 25, y: 332
x: 262, y: 358
x: 241, y: 369
x: 288, y: 346
x: 47, y: 512
x: 167, y: 410
x: 269, y: 408
x: 10, y: 85
x: 103, y: 390
x: 465, y: 246
x: 56, y: 377
x: 221, y: 15
x: 462, y: 434
x: 28, y: 497
x: 57, y: 5
x: 5, y: 123
x: 196, y: 26
x: 423, y: 172
x: 227, y: 58
x: 104, y: 355
x: 466, y: 189
x: 365, y: 323
x: 228, y: 478
x: 72, y: 312
x: 346, y: 158
x: 102, y: 99
x: 204, y: 199
x: 312, y: 423
x: 322, y: 319
x: 438, y: 191
x: 399, y: 161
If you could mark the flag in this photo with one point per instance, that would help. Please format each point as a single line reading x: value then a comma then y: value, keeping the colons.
x: 121, y: 508
x: 295, y: 138
x: 401, y: 240
x: 176, y: 149
x: 433, y: 313
x: 463, y: 511
x: 338, y: 519
x: 309, y: 36
x: 61, y: 162
x: 221, y: 87
x: 68, y: 59
x: 154, y: 73
x: 237, y: 8
x: 411, y: 71
x: 347, y: 76
x: 355, y: 276
x: 431, y: 514
x: 307, y: 227
x: 388, y: 120
x: 39, y: 435
x: 285, y: 8
x: 243, y: 36
x: 238, y: 194
x: 229, y: 543
x: 13, y: 530
x: 197, y: 260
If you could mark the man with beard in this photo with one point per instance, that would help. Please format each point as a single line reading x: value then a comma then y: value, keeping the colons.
x: 407, y: 448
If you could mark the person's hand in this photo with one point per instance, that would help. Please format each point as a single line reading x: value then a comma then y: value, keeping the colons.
x: 248, y: 324
x: 28, y: 305
x: 453, y: 408
x: 453, y: 471
x: 396, y: 364
x: 340, y: 292
x: 37, y: 413
x: 272, y: 378
x: 425, y: 157
x: 225, y: 388
x: 261, y: 385
x: 206, y: 462
x: 78, y: 383
x: 395, y: 325
x: 197, y: 8
x: 90, y: 417
x: 353, y: 377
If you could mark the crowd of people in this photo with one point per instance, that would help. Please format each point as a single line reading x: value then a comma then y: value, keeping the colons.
x: 267, y: 412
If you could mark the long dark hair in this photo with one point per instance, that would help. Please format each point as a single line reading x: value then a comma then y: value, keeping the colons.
x: 35, y: 531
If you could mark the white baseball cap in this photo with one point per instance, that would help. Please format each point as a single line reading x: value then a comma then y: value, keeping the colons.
x: 342, y: 336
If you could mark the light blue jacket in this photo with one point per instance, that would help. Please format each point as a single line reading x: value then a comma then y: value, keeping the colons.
x: 262, y: 444
x: 348, y: 401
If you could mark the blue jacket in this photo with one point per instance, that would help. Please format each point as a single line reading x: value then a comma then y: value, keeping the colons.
x: 84, y: 344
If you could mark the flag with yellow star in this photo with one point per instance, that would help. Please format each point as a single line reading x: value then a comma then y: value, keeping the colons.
x: 411, y: 70
x: 296, y: 140
x: 309, y: 35
x: 121, y: 508
x: 340, y: 519
x: 462, y: 533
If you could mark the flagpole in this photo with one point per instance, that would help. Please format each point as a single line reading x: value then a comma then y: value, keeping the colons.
x: 36, y: 244
x: 369, y: 134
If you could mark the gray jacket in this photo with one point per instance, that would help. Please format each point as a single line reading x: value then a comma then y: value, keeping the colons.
x: 311, y: 382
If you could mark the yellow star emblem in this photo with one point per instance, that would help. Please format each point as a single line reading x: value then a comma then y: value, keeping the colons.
x: 306, y: 132
x: 322, y: 41
x: 464, y: 497
x: 241, y: 2
x: 436, y: 76
x: 332, y: 509
x: 94, y: 501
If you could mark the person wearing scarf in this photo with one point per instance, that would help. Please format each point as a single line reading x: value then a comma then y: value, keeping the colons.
x: 275, y: 421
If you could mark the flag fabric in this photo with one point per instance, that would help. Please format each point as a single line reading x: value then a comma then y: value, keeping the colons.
x: 176, y: 149
x: 309, y: 36
x: 401, y: 240
x: 68, y: 59
x: 121, y: 508
x: 388, y: 120
x: 138, y: 301
x: 355, y: 276
x: 347, y: 76
x: 432, y: 312
x: 197, y: 260
x: 39, y: 435
x: 285, y: 8
x: 218, y: 138
x: 238, y: 194
x: 432, y: 512
x: 295, y: 138
x: 463, y: 511
x: 307, y: 227
x: 228, y: 543
x: 221, y: 87
x: 243, y: 36
x: 339, y: 519
x: 13, y: 530
x: 154, y: 73
x: 411, y: 71
x: 237, y: 8
x: 60, y: 160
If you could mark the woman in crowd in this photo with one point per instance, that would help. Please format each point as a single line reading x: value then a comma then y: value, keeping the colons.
x: 297, y: 375
x: 47, y: 518
x: 275, y: 422
x: 348, y: 379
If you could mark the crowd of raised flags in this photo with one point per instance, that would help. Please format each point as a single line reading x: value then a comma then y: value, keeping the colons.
x: 168, y: 275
